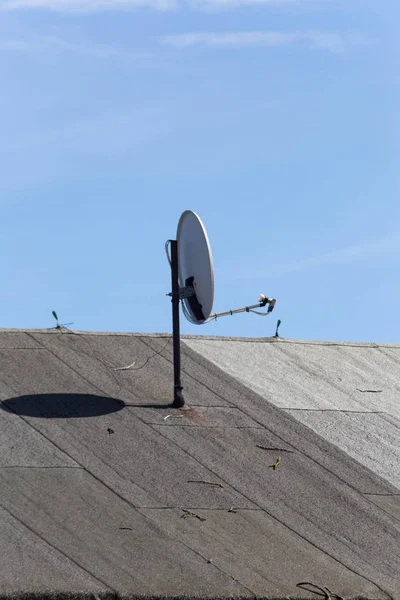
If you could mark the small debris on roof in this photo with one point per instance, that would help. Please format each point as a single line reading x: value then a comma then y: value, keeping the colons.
x: 110, y: 431
x: 125, y: 368
x: 206, y: 482
x: 326, y: 592
x: 189, y: 513
x: 232, y: 510
x: 173, y: 417
x: 276, y: 464
x: 370, y: 391
x: 272, y: 448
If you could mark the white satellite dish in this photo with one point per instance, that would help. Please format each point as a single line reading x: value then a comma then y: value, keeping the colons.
x: 195, y: 267
x: 192, y: 283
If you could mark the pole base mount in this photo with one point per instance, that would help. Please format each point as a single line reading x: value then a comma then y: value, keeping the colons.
x: 179, y: 400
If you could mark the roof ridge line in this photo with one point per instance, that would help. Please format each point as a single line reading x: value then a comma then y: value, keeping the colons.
x: 220, y: 338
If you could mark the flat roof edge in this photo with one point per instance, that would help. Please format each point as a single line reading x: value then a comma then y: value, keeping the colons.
x: 261, y: 340
x: 110, y: 595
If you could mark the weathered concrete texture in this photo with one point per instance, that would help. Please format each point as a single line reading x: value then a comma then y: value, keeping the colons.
x: 123, y: 495
x: 311, y: 375
x: 29, y: 563
x: 389, y: 503
x: 370, y: 437
x: 298, y: 494
x: 17, y: 340
x: 347, y: 393
x: 247, y: 543
x: 22, y: 446
x: 110, y: 540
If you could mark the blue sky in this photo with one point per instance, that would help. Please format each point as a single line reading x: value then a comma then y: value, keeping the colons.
x: 277, y: 121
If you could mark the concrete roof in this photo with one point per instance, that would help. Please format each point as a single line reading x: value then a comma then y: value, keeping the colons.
x: 106, y: 491
x: 348, y: 393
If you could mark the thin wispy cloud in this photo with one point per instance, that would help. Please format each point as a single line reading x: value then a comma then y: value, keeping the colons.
x: 389, y: 246
x: 86, y: 6
x: 106, y: 140
x: 14, y: 45
x: 212, y: 5
x: 91, y: 6
x: 46, y: 43
x: 331, y: 41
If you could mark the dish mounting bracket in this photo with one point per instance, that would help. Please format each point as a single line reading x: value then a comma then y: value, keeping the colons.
x: 184, y: 292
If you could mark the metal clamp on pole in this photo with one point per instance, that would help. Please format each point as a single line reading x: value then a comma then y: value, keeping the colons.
x: 184, y: 292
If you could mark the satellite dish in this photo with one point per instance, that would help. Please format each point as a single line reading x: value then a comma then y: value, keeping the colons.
x: 192, y: 282
x: 195, y: 267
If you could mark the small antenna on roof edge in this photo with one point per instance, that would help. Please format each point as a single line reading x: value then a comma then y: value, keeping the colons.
x: 60, y: 325
x: 277, y: 327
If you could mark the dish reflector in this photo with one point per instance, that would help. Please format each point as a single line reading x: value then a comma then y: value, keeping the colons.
x: 195, y: 266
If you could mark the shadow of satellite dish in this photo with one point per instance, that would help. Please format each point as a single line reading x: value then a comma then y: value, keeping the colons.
x: 61, y: 406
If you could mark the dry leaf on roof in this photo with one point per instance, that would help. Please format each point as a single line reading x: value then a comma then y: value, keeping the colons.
x: 276, y: 463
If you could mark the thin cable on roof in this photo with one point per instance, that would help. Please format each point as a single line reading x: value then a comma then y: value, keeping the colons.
x: 326, y: 592
x: 152, y: 356
x: 189, y: 513
x: 273, y: 448
x: 111, y: 369
x: 212, y: 483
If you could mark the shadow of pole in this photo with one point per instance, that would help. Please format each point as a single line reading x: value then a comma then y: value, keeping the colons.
x: 70, y: 406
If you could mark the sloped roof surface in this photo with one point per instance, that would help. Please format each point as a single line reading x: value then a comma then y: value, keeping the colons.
x: 105, y: 490
x: 348, y: 393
